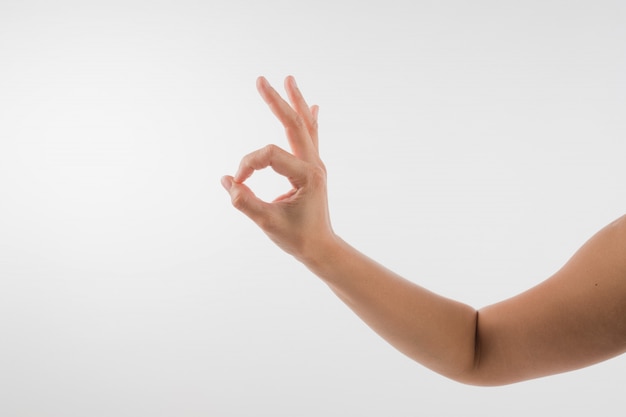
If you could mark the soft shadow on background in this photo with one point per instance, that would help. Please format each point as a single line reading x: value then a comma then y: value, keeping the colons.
x: 471, y: 147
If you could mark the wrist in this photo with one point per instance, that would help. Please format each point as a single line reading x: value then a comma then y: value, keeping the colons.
x: 321, y: 255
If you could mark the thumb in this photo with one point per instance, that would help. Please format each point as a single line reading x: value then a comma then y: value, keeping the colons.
x: 244, y: 200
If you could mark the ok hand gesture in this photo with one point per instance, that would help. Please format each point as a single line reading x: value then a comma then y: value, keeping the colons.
x: 297, y: 221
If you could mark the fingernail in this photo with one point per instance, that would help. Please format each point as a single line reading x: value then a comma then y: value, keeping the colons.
x: 227, y: 183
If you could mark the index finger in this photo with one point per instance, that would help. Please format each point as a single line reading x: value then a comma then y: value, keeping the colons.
x: 294, y: 124
x: 278, y: 159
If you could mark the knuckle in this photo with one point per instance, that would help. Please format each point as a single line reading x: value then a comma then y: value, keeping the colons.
x: 270, y: 149
x: 314, y: 125
x: 297, y: 121
x: 268, y: 153
x: 247, y: 159
x: 317, y: 174
x: 259, y: 158
x: 238, y: 200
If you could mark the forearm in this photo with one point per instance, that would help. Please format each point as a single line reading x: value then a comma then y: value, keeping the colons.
x: 437, y: 332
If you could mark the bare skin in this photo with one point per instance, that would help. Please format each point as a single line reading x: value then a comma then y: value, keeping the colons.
x: 573, y: 319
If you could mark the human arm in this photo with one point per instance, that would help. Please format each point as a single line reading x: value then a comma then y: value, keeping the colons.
x: 564, y: 323
x: 575, y: 318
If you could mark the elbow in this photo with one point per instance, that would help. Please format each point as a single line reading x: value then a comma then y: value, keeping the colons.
x: 477, y: 370
x: 478, y: 376
x: 472, y: 372
x: 478, y: 379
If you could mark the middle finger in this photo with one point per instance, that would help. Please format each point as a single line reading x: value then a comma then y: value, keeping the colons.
x: 294, y: 124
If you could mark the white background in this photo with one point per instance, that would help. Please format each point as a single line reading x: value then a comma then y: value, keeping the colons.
x: 471, y: 147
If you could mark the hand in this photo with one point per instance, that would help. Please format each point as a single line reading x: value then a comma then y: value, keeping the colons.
x: 297, y: 221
